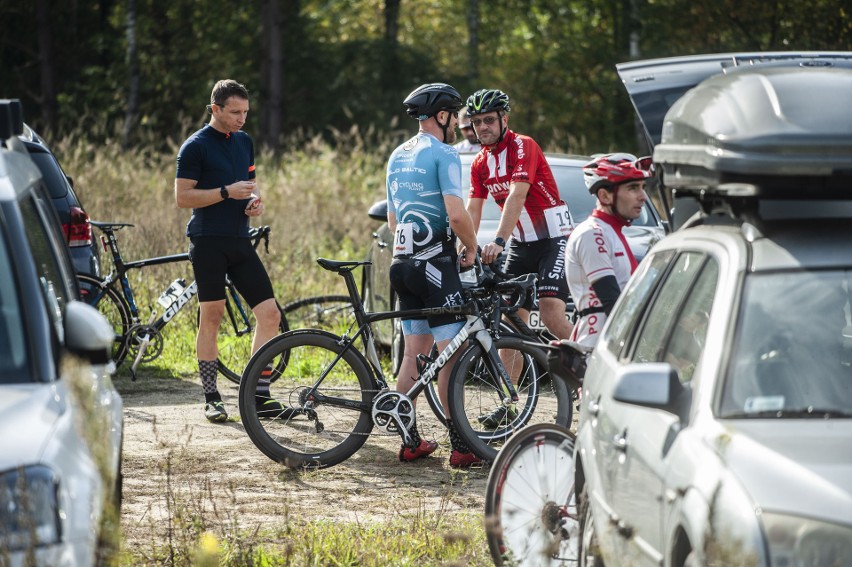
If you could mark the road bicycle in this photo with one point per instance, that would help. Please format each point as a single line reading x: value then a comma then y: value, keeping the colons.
x: 531, y: 506
x: 142, y: 340
x: 337, y: 394
x: 500, y: 315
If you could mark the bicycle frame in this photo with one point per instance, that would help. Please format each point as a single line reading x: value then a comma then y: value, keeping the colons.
x: 473, y: 327
x: 240, y: 320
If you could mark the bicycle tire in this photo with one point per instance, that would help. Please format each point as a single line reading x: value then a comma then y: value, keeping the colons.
x: 112, y: 306
x: 431, y: 390
x: 531, y: 512
x: 234, y: 348
x: 474, y: 394
x: 319, y: 435
x: 334, y: 313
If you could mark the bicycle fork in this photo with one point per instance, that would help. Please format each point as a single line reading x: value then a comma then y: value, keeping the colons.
x: 498, y: 376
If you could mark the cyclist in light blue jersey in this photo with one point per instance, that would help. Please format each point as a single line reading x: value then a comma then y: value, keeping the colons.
x: 427, y: 216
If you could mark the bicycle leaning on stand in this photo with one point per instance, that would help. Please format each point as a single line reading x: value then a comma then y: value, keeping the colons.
x: 337, y: 394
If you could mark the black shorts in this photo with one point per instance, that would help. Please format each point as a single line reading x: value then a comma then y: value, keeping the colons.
x: 428, y: 283
x: 545, y: 258
x: 214, y: 256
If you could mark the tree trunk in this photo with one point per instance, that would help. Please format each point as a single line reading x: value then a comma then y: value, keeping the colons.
x: 272, y: 73
x: 132, y: 111
x: 392, y: 21
x: 47, y: 67
x: 473, y: 41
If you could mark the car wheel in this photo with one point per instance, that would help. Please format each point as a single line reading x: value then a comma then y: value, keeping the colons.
x: 590, y: 554
x: 397, y: 341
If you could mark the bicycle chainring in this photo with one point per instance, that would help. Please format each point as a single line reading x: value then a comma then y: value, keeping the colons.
x: 135, y: 338
x: 393, y: 412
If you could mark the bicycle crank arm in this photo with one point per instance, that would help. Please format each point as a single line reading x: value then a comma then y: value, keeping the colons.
x: 143, y: 346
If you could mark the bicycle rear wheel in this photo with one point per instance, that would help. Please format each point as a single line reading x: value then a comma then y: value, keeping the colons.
x: 530, y: 503
x: 333, y: 313
x: 476, y: 393
x: 235, y: 336
x: 112, y: 306
x: 328, y: 389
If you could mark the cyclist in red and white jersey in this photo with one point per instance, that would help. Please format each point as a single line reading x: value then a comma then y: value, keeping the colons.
x: 599, y: 259
x: 512, y: 169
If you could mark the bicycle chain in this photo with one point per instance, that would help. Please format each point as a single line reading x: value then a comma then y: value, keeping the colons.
x: 374, y: 432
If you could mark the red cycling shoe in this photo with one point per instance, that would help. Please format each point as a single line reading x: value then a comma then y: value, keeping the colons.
x: 461, y: 460
x: 425, y: 449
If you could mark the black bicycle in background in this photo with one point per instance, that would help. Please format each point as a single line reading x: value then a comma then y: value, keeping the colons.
x: 142, y: 340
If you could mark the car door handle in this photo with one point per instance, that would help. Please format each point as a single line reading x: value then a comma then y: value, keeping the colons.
x: 620, y: 442
x: 594, y: 406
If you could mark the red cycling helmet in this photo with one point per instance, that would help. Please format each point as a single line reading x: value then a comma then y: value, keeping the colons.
x: 611, y: 170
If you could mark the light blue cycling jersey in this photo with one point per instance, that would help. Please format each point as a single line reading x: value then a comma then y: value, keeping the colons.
x: 421, y: 172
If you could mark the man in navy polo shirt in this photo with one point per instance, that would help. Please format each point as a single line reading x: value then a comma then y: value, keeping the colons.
x: 216, y: 179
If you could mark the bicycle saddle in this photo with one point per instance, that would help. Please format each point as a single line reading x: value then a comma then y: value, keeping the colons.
x: 340, y: 266
x: 106, y: 226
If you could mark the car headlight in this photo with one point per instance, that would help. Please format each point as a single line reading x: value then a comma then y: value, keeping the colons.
x: 29, y: 508
x: 800, y: 542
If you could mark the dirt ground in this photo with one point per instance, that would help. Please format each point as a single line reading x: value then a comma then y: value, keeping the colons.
x: 177, y: 464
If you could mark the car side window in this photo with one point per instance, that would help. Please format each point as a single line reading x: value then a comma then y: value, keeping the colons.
x: 53, y: 279
x: 634, y: 297
x: 13, y: 351
x: 663, y: 312
x: 687, y: 340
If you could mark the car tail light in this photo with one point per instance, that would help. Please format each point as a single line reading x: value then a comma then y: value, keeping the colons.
x: 78, y: 232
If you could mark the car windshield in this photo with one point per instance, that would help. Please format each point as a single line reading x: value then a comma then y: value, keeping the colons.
x: 13, y: 351
x: 572, y: 189
x: 792, y: 348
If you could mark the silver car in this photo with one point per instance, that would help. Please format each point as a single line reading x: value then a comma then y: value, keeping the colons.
x: 567, y: 171
x: 716, y: 412
x: 60, y: 417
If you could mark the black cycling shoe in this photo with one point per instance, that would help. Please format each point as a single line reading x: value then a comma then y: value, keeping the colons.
x: 502, y: 415
x: 273, y: 409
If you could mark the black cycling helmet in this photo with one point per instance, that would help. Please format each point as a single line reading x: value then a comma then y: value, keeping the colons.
x: 487, y: 100
x: 429, y: 99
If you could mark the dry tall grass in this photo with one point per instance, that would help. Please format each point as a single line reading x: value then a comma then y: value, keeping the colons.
x: 316, y: 196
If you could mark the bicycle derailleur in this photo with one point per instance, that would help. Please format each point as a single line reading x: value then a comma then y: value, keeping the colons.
x: 393, y: 412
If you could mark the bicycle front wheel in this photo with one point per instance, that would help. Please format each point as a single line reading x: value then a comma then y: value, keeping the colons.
x: 333, y: 313
x: 326, y: 389
x: 235, y: 336
x: 112, y: 306
x: 530, y: 503
x: 480, y: 407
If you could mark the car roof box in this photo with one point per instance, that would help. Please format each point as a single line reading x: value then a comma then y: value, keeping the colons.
x: 11, y: 118
x: 783, y: 132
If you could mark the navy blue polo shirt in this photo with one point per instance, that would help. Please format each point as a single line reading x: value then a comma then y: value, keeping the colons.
x: 214, y: 159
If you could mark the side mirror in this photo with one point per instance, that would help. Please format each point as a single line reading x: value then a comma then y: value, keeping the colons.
x: 379, y: 211
x: 652, y: 385
x: 87, y: 333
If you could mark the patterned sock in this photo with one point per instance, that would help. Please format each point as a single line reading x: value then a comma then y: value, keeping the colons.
x: 456, y: 440
x: 208, y: 369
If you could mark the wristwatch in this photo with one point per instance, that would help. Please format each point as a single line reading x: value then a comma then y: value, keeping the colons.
x: 500, y: 242
x: 224, y: 192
